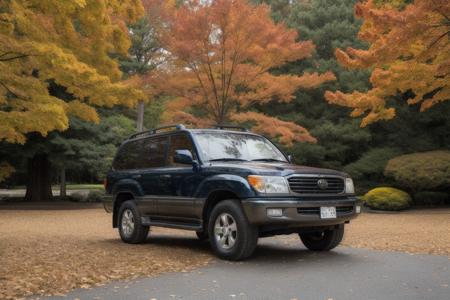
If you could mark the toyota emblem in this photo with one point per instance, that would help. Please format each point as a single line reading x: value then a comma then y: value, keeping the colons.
x: 322, y: 184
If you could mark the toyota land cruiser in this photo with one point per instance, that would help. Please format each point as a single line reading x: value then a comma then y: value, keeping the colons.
x: 227, y: 184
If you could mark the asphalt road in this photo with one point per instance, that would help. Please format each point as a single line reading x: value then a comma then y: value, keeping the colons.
x: 288, y: 271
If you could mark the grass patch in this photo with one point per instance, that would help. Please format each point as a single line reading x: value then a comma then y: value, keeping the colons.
x: 77, y: 186
x: 83, y: 187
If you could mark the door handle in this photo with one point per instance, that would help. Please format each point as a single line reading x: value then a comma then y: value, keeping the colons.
x: 166, y: 176
x: 137, y: 176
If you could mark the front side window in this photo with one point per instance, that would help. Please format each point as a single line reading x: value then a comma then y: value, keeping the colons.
x: 179, y: 142
x: 215, y: 146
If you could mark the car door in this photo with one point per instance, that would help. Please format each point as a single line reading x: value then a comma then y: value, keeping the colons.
x: 151, y: 171
x: 152, y: 166
x: 183, y: 181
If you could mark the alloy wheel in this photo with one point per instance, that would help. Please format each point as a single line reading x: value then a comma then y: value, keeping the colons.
x: 225, y: 231
x: 127, y: 222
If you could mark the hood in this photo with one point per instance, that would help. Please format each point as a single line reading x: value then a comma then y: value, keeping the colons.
x: 275, y: 168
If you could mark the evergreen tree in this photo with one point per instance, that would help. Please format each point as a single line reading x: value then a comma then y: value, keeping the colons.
x: 328, y: 24
x: 83, y: 153
x: 145, y: 53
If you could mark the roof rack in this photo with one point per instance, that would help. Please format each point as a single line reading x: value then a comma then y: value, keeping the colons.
x: 155, y: 130
x: 220, y: 126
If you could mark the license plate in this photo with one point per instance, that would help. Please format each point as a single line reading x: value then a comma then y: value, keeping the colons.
x: 328, y: 212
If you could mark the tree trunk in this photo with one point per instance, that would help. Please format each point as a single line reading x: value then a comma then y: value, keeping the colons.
x: 140, y: 116
x: 62, y: 184
x: 39, y: 187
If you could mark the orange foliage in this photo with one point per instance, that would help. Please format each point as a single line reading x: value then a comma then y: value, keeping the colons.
x: 221, y: 55
x: 409, y: 51
x: 288, y: 132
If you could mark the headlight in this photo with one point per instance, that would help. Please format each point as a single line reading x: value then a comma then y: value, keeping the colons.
x: 269, y: 184
x: 349, y: 187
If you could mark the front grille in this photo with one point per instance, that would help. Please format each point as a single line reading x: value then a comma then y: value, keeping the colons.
x: 340, y: 210
x: 309, y: 185
x: 308, y: 210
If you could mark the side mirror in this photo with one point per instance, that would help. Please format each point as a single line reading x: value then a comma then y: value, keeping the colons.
x: 290, y: 158
x: 183, y: 156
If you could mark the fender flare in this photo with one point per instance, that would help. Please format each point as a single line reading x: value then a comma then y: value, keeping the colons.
x: 225, y: 182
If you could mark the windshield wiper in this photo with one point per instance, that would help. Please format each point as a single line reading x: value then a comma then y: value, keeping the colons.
x: 228, y: 159
x: 269, y: 159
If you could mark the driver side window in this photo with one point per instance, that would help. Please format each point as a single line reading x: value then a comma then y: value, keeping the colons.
x: 179, y: 142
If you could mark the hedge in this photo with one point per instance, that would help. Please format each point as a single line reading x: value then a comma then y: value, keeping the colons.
x: 430, y: 198
x: 421, y: 171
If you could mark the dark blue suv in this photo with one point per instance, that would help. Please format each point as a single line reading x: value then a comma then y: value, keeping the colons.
x: 229, y: 185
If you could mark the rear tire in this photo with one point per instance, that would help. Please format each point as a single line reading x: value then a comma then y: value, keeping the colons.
x: 130, y: 226
x: 232, y: 237
x: 324, y: 240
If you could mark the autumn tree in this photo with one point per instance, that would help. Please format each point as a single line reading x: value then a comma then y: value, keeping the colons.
x: 46, y: 46
x: 409, y: 54
x: 224, y: 54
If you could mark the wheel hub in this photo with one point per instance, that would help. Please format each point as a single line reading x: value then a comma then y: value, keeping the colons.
x: 127, y: 222
x: 225, y: 231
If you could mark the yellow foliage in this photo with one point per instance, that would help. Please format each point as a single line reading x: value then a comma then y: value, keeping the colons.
x: 70, y: 43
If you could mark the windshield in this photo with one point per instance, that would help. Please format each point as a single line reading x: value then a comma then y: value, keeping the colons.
x: 225, y: 146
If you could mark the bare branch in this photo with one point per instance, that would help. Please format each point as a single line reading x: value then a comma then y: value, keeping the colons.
x: 9, y: 90
x: 15, y: 57
x: 205, y: 94
x: 438, y: 39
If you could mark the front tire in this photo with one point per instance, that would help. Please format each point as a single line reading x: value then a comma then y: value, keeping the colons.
x: 323, y: 240
x: 232, y: 237
x: 202, y: 235
x: 131, y: 229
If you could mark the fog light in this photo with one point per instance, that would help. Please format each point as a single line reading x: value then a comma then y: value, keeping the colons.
x: 274, y: 212
x: 358, y: 209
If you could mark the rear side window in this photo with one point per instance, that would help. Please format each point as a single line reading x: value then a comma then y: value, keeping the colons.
x: 179, y: 142
x: 154, y: 153
x: 141, y: 154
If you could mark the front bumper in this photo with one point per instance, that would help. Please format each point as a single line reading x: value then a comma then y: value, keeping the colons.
x: 298, y: 212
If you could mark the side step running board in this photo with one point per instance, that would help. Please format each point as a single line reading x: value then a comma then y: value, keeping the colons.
x: 177, y: 224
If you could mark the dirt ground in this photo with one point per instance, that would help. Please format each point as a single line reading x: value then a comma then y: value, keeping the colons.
x: 415, y: 231
x: 45, y: 252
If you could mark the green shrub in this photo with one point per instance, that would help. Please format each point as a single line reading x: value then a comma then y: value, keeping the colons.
x: 387, y: 198
x: 421, y: 171
x: 430, y: 198
x: 95, y: 196
x: 370, y: 166
x: 77, y: 197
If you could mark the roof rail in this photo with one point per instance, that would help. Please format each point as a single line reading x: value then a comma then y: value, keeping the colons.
x: 155, y: 130
x: 220, y: 126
